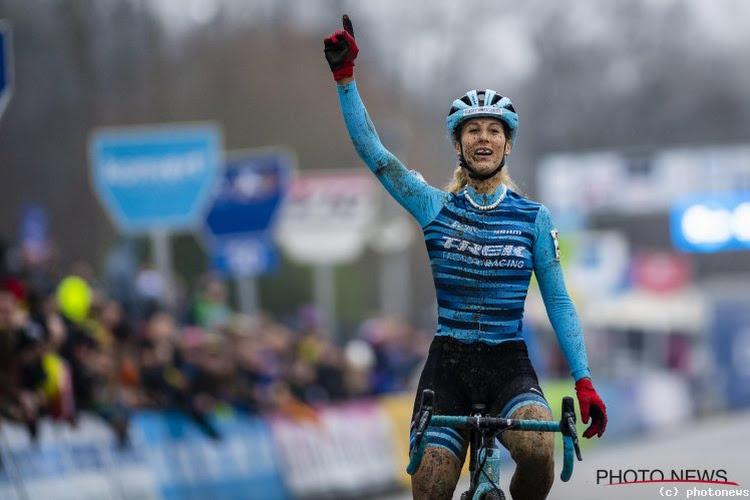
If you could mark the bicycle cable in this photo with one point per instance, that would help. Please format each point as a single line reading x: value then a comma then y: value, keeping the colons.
x: 484, y: 458
x: 481, y: 467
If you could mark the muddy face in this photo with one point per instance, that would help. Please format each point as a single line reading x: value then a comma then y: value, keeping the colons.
x: 484, y: 144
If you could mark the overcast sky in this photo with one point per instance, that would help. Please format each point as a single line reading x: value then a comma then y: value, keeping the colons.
x: 424, y: 42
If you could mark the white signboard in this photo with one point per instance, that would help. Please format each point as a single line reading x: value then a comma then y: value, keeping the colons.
x: 638, y: 182
x: 327, y: 216
x: 74, y: 463
x: 332, y: 457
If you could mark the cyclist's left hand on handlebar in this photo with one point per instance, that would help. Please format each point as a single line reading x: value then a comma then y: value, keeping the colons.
x: 591, y: 406
x: 341, y: 50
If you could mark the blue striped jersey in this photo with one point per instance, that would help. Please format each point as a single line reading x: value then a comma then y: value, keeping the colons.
x: 481, y: 265
x: 482, y: 260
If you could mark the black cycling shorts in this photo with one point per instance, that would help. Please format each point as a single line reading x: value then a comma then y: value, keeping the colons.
x: 499, y: 376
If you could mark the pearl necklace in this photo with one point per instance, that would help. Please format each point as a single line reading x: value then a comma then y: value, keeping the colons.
x: 492, y: 205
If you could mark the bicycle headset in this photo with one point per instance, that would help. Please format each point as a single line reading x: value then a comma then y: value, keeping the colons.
x: 476, y: 104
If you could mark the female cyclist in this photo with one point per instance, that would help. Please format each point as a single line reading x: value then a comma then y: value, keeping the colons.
x: 484, y: 240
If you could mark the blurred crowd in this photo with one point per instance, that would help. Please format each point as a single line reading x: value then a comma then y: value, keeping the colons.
x: 67, y: 345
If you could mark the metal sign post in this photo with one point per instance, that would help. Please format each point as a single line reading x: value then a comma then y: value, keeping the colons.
x: 161, y: 254
x: 248, y: 295
x: 324, y: 282
x: 391, y: 240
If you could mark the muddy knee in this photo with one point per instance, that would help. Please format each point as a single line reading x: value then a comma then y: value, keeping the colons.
x: 531, y: 447
x: 536, y: 453
x: 438, y: 475
x: 534, y: 474
x: 533, y: 453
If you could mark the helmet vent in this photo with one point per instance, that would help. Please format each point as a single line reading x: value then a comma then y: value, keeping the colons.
x: 479, y: 103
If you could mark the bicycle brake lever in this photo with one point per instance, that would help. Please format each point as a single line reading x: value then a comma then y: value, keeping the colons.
x: 424, y: 421
x: 568, y: 424
x: 425, y: 408
x: 574, y: 434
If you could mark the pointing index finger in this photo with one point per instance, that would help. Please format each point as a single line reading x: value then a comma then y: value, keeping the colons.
x: 348, y: 25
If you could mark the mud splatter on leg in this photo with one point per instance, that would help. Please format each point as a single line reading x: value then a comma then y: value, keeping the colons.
x: 436, y: 479
x: 533, y: 453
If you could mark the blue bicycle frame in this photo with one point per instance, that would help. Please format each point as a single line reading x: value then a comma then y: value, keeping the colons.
x: 488, y: 456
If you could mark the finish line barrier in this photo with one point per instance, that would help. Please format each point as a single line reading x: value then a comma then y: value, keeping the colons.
x: 337, y: 451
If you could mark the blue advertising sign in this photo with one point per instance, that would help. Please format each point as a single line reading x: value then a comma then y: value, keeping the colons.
x: 731, y: 343
x: 245, y: 255
x: 188, y: 464
x: 85, y: 463
x: 712, y: 222
x: 6, y: 67
x: 34, y: 235
x: 155, y: 177
x: 240, y: 220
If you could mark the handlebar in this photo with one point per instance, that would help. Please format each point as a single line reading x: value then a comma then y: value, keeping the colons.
x: 566, y: 426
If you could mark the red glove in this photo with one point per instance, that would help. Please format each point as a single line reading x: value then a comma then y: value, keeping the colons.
x: 591, y: 405
x: 341, y: 50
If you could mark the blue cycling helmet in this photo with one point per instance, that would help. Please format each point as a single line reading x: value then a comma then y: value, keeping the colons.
x: 482, y: 103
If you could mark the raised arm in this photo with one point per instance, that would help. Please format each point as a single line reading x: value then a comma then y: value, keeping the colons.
x: 423, y: 201
x: 565, y: 322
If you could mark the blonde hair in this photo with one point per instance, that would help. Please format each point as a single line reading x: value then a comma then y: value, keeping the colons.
x: 461, y: 179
